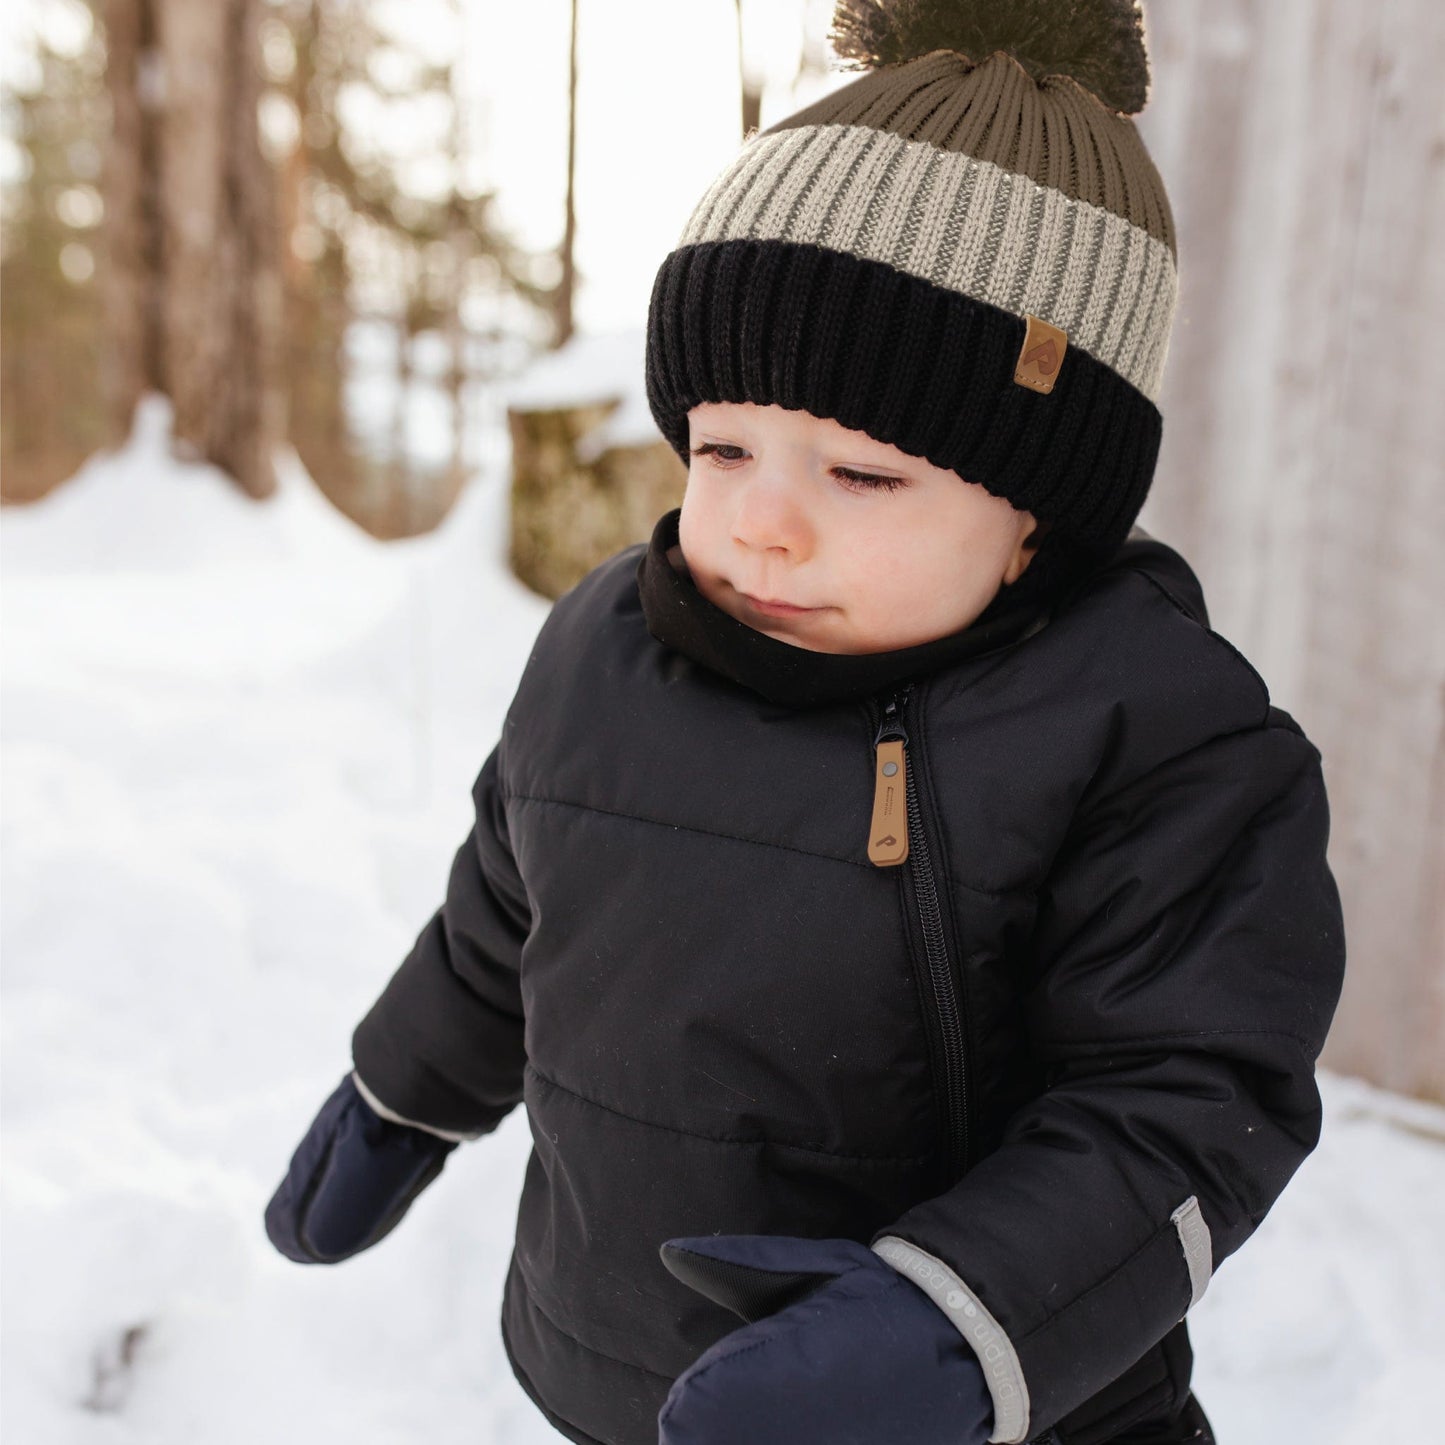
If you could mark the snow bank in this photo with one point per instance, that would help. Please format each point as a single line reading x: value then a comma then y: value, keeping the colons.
x: 238, y: 746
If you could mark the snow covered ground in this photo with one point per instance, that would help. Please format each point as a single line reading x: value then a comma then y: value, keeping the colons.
x: 238, y: 744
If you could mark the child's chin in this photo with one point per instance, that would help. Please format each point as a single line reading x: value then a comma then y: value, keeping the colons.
x: 781, y: 632
x: 800, y: 642
x: 812, y: 642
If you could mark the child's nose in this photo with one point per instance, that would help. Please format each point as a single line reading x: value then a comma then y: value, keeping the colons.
x: 771, y: 512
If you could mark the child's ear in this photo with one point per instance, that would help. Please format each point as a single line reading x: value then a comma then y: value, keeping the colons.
x: 1025, y: 550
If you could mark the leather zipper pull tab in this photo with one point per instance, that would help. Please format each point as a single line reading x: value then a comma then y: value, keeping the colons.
x: 888, y: 835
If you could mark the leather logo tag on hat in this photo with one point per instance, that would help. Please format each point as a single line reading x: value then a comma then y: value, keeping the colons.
x: 1040, y: 356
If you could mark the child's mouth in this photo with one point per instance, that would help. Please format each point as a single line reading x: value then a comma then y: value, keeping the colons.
x: 775, y: 609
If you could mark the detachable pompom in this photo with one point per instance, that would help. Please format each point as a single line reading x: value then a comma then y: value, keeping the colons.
x: 1100, y: 43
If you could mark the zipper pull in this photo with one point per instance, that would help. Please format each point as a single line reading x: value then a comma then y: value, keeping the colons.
x: 888, y: 830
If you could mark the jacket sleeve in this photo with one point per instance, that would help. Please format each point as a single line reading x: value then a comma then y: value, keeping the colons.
x: 1188, y: 955
x: 442, y: 1047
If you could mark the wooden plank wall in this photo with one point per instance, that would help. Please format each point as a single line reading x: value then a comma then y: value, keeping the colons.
x: 1303, y: 466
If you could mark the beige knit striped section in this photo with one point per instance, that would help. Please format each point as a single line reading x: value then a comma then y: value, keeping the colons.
x: 963, y: 224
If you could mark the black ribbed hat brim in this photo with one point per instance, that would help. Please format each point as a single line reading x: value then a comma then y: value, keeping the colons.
x: 916, y: 366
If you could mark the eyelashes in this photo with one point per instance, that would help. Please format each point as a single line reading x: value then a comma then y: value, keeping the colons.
x: 867, y: 479
x: 858, y: 481
x: 708, y: 449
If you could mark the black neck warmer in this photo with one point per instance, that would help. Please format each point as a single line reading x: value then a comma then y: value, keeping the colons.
x: 680, y: 617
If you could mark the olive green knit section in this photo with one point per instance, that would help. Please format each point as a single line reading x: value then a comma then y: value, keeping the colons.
x: 1054, y: 132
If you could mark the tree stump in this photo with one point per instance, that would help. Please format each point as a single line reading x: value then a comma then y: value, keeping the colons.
x: 578, y: 498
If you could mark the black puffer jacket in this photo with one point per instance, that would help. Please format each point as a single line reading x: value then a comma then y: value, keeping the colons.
x: 1057, y: 1065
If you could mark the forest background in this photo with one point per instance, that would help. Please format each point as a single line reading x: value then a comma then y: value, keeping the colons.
x: 281, y: 277
x: 341, y: 225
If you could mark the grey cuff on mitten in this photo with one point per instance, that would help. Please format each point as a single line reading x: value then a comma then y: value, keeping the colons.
x: 985, y: 1336
x: 377, y: 1107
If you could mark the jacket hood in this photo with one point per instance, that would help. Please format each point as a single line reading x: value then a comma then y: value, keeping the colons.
x: 1143, y: 552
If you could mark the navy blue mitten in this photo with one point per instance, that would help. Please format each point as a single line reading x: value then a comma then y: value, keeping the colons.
x: 351, y: 1179
x: 839, y: 1348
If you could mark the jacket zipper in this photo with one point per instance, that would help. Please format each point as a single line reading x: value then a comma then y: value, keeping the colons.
x: 895, y: 839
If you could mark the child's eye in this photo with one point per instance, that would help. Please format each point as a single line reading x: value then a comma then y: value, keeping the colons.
x: 725, y: 454
x: 716, y: 450
x: 868, y: 482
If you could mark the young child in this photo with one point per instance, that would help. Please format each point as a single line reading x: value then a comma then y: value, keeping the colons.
x: 906, y: 921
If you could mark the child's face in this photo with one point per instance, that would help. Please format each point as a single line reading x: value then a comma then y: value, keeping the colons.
x: 774, y: 511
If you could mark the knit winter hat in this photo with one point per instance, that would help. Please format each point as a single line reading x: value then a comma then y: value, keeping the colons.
x: 966, y: 253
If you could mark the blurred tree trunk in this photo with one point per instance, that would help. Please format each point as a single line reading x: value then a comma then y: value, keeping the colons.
x: 752, y: 91
x: 53, y: 393
x: 132, y: 230
x: 316, y: 290
x: 567, y: 285
x: 193, y: 291
x: 217, y: 216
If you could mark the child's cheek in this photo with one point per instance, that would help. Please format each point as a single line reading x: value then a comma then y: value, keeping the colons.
x: 697, y: 530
